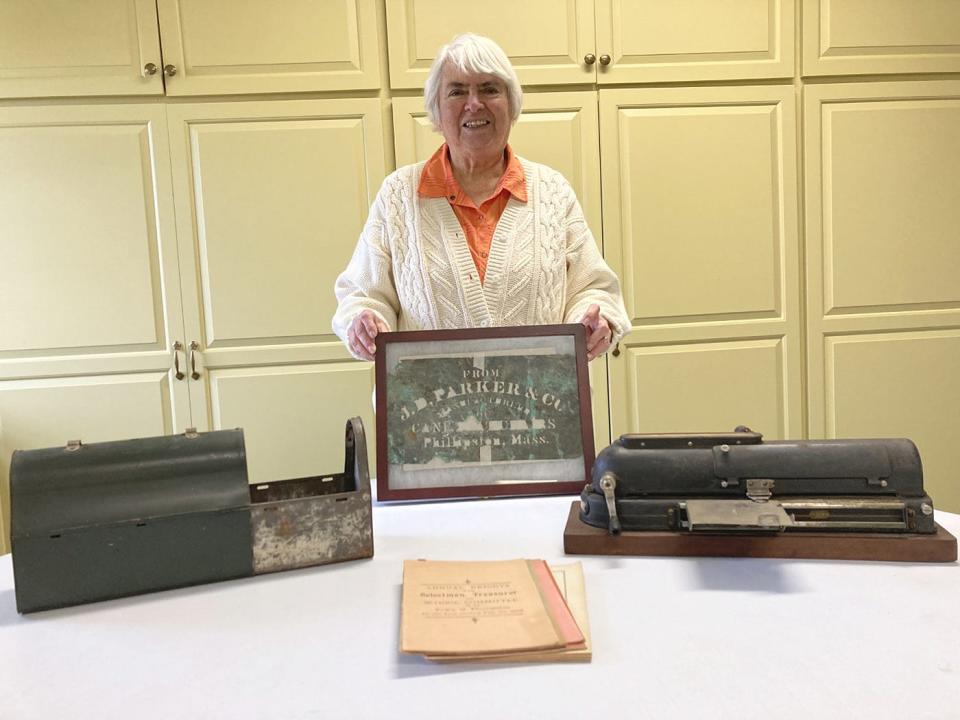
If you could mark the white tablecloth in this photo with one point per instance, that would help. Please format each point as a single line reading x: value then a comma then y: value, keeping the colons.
x: 673, y: 638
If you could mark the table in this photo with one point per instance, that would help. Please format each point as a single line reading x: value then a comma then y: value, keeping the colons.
x: 672, y: 638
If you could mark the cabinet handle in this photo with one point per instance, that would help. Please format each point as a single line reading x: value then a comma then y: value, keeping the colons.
x: 171, y: 70
x: 616, y: 351
x: 194, y: 346
x: 589, y: 59
x: 604, y: 59
x: 177, y: 347
x: 150, y: 69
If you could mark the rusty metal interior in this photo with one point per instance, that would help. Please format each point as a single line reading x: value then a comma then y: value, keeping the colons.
x: 296, y: 488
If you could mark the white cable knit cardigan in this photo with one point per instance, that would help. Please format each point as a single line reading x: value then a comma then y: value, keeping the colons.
x: 412, y: 266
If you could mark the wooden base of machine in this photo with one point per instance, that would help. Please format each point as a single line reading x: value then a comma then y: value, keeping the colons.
x: 582, y: 539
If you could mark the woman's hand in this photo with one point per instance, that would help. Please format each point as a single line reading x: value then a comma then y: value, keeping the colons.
x: 362, y: 333
x: 599, y: 333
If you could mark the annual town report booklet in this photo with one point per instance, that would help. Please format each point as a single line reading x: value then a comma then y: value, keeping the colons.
x: 505, y: 610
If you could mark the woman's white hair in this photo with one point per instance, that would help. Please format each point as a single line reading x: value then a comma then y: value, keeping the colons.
x: 472, y: 54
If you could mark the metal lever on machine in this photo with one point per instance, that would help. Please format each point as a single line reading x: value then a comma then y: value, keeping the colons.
x: 608, y: 483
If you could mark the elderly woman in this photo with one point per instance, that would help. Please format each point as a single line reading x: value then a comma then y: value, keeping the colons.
x: 475, y: 236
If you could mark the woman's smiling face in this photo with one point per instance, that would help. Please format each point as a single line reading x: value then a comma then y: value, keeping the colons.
x: 474, y: 114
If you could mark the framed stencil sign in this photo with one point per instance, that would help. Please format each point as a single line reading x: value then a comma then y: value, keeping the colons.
x: 482, y: 412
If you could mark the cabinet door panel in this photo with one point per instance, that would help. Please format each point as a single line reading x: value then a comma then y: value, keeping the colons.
x: 556, y: 129
x: 271, y: 198
x: 546, y: 40
x: 703, y: 387
x: 862, y: 37
x: 64, y: 47
x: 320, y: 397
x: 82, y: 256
x: 89, y: 280
x: 700, y: 223
x: 223, y: 46
x: 881, y: 247
x: 258, y: 237
x: 654, y: 41
x: 49, y: 412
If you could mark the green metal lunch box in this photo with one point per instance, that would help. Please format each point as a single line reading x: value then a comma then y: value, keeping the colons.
x: 106, y: 520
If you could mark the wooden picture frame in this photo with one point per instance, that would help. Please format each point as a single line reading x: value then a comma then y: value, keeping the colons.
x: 483, y: 412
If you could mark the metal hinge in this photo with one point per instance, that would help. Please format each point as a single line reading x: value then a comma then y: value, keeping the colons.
x: 73, y: 445
x: 759, y: 490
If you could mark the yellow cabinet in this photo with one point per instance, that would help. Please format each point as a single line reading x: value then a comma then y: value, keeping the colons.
x: 882, y: 262
x: 554, y: 42
x: 210, y: 47
x: 864, y: 37
x: 64, y: 47
x: 222, y: 46
x: 88, y: 279
x: 270, y: 199
x: 700, y: 223
x: 689, y: 40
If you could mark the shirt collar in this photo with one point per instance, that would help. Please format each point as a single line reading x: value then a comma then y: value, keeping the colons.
x: 437, y: 180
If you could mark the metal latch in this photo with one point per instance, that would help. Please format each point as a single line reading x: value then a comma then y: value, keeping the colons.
x: 73, y: 445
x: 759, y: 490
x: 191, y: 433
x: 608, y: 483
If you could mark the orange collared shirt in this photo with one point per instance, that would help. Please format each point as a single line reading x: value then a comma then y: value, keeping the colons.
x: 478, y: 223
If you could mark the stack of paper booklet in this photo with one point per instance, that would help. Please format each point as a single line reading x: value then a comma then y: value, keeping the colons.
x: 511, y: 610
